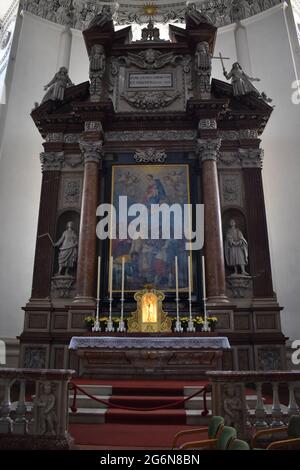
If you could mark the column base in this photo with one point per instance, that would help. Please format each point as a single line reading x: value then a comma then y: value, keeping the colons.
x: 217, y: 300
x: 81, y: 300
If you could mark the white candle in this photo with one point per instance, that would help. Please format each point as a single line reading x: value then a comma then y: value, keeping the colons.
x: 203, y: 278
x: 123, y: 276
x: 190, y: 280
x: 98, y: 279
x: 176, y: 276
x: 111, y: 276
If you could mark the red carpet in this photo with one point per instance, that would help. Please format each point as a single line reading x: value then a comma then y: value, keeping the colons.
x: 124, y: 436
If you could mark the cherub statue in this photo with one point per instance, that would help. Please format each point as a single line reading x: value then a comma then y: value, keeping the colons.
x: 46, y: 410
x: 56, y: 88
x: 240, y: 81
x: 233, y: 408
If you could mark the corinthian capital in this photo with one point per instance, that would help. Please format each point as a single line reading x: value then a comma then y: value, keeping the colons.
x: 52, y: 161
x: 208, y: 149
x: 251, y: 158
x: 91, y: 151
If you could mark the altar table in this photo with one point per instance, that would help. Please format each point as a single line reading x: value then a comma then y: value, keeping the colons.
x: 149, y: 356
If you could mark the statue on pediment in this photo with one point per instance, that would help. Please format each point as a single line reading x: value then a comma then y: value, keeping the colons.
x: 57, y: 86
x: 104, y: 17
x: 241, y: 82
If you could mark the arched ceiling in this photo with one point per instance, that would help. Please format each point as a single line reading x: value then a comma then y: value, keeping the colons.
x: 220, y: 12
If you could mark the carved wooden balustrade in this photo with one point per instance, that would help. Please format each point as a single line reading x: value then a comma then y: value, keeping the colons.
x: 34, y: 410
x: 230, y: 390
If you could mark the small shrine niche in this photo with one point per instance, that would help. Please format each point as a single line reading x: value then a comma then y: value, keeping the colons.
x: 149, y: 316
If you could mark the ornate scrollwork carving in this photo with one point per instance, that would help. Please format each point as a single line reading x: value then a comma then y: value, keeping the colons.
x: 150, y: 100
x: 150, y: 155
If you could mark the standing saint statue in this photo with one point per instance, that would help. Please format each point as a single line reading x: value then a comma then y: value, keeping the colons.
x: 97, y: 70
x: 105, y: 16
x: 67, y: 244
x: 236, y: 249
x: 56, y: 88
x: 241, y: 82
x: 203, y: 65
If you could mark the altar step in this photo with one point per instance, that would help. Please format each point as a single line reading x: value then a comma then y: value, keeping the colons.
x: 140, y: 397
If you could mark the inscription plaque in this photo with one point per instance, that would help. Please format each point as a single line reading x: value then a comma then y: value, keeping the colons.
x: 150, y: 80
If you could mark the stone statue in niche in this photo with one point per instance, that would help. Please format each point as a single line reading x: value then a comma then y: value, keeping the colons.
x: 56, y: 88
x: 203, y: 66
x: 46, y: 415
x: 240, y: 81
x: 97, y: 69
x: 236, y: 249
x: 67, y: 244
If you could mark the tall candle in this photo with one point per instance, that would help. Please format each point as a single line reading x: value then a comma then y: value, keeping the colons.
x: 203, y: 278
x: 190, y: 280
x: 111, y: 276
x: 98, y: 279
x: 123, y: 276
x: 176, y: 276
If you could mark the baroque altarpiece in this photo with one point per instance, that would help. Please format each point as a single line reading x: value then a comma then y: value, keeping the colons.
x: 152, y: 125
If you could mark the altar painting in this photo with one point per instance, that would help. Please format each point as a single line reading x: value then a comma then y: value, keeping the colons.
x: 150, y: 261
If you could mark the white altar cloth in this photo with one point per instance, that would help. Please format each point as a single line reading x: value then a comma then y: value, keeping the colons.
x: 149, y: 342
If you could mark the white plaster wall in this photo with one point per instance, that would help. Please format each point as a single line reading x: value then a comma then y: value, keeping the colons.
x: 20, y: 175
x: 20, y: 169
x: 271, y: 60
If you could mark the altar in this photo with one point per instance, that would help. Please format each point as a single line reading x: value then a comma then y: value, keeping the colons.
x: 149, y: 356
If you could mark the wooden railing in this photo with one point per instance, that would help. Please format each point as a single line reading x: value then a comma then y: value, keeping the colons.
x: 239, y: 397
x: 23, y: 419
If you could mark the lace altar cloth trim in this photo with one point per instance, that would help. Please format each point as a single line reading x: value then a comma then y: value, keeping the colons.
x: 111, y: 342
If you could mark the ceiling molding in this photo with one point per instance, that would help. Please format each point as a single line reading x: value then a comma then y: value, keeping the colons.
x: 221, y: 12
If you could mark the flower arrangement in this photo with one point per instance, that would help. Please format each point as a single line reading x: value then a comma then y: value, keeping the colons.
x: 212, y: 321
x: 89, y: 322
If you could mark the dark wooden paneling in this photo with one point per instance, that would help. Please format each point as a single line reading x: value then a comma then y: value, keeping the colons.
x: 43, y: 263
x: 259, y: 256
x: 243, y: 359
x: 60, y: 321
x: 37, y: 320
x: 242, y: 322
x: 59, y: 358
x: 227, y: 360
x: 266, y: 321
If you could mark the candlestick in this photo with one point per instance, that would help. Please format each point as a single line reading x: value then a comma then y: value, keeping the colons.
x: 110, y: 326
x: 178, y: 327
x: 190, y: 327
x: 205, y: 325
x: 121, y: 327
x: 96, y: 326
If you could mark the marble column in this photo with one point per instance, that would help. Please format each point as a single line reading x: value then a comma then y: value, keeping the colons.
x: 44, y: 254
x: 92, y: 153
x: 259, y: 254
x: 213, y: 239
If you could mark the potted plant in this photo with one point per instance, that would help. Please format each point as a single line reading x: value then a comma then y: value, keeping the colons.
x: 89, y: 322
x: 199, y: 323
x: 212, y: 321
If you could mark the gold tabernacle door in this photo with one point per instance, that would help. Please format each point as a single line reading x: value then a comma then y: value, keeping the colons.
x: 149, y: 316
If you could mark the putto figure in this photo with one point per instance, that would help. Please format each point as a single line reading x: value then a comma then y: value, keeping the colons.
x: 67, y: 244
x: 56, y: 88
x: 46, y: 410
x: 240, y: 81
x: 236, y: 249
